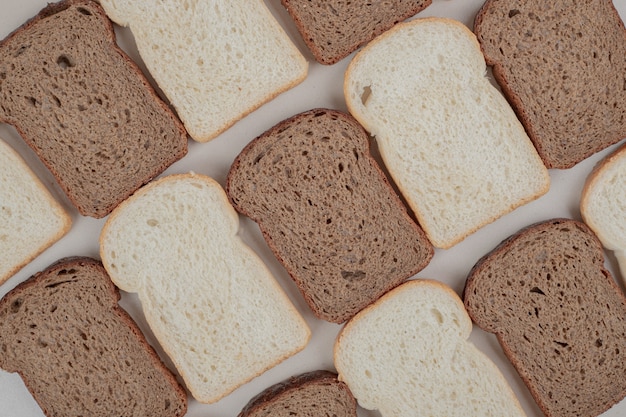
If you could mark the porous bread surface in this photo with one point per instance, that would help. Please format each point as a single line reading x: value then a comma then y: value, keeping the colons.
x: 84, y: 107
x: 558, y: 314
x: 408, y: 355
x: 327, y: 211
x: 449, y: 139
x: 216, y: 61
x: 32, y: 220
x: 211, y: 302
x: 603, y: 204
x: 561, y: 65
x: 78, y: 352
x: 333, y: 29
x: 312, y: 394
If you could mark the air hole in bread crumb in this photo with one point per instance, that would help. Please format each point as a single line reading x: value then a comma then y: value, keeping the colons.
x: 513, y: 12
x: 152, y: 223
x: 64, y: 62
x: 366, y: 94
x: 84, y: 11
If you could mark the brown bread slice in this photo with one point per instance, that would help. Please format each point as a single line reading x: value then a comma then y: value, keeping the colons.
x: 558, y: 314
x: 78, y: 352
x: 312, y: 394
x: 84, y: 107
x: 333, y: 29
x: 561, y: 64
x: 328, y: 212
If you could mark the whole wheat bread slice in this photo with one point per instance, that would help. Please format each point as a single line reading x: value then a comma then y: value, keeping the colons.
x: 328, y: 212
x: 561, y: 64
x: 334, y: 29
x: 312, y: 394
x: 84, y: 106
x: 558, y: 314
x: 78, y: 352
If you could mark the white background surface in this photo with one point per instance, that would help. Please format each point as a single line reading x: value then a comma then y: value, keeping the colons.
x: 322, y: 88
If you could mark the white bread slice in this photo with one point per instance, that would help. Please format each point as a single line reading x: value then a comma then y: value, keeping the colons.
x: 408, y: 354
x: 211, y: 302
x: 449, y: 139
x: 603, y: 204
x: 31, y: 219
x: 216, y: 61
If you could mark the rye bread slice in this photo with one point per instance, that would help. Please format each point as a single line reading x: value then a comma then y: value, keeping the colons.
x: 327, y: 211
x: 334, y: 29
x: 312, y: 394
x: 78, y: 352
x: 561, y: 64
x: 558, y: 314
x: 84, y: 107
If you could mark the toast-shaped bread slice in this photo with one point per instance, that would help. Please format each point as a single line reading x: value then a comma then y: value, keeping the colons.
x: 558, y: 314
x: 216, y: 61
x: 84, y: 107
x: 334, y: 29
x: 327, y: 211
x: 32, y: 220
x: 208, y: 298
x: 78, y: 352
x: 449, y: 139
x: 603, y: 204
x: 561, y: 66
x: 312, y: 394
x: 408, y: 354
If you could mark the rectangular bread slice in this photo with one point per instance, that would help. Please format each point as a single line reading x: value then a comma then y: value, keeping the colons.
x: 78, y: 352
x: 84, y: 107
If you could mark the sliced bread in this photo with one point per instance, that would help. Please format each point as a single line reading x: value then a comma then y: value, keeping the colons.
x: 558, y: 314
x: 84, y: 106
x: 449, y: 139
x: 78, y: 352
x: 216, y: 61
x: 312, y: 394
x: 208, y: 298
x: 328, y: 212
x: 31, y: 219
x: 561, y: 65
x: 408, y: 355
x: 334, y: 29
x: 603, y: 204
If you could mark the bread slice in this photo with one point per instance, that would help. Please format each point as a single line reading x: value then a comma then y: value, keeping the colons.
x: 408, y: 355
x: 328, y: 212
x: 603, y: 204
x: 558, y: 314
x: 561, y: 66
x: 312, y: 394
x: 84, y: 106
x: 334, y: 29
x: 449, y: 139
x: 78, y: 352
x: 32, y: 220
x: 209, y: 299
x: 215, y: 61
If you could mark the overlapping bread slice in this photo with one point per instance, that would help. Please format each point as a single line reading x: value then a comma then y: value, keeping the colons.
x: 558, y: 314
x: 328, y: 212
x: 84, y: 107
x: 561, y: 65
x: 78, y: 352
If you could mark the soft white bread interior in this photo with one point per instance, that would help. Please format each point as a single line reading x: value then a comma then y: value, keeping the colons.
x: 211, y: 302
x: 216, y: 61
x: 448, y: 137
x: 31, y: 220
x: 603, y: 204
x: 408, y: 355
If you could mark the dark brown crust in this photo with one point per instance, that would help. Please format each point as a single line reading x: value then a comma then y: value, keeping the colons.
x: 114, y: 294
x: 269, y: 236
x: 536, y: 133
x: 273, y: 393
x: 314, y: 37
x: 511, y: 347
x: 99, y: 210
